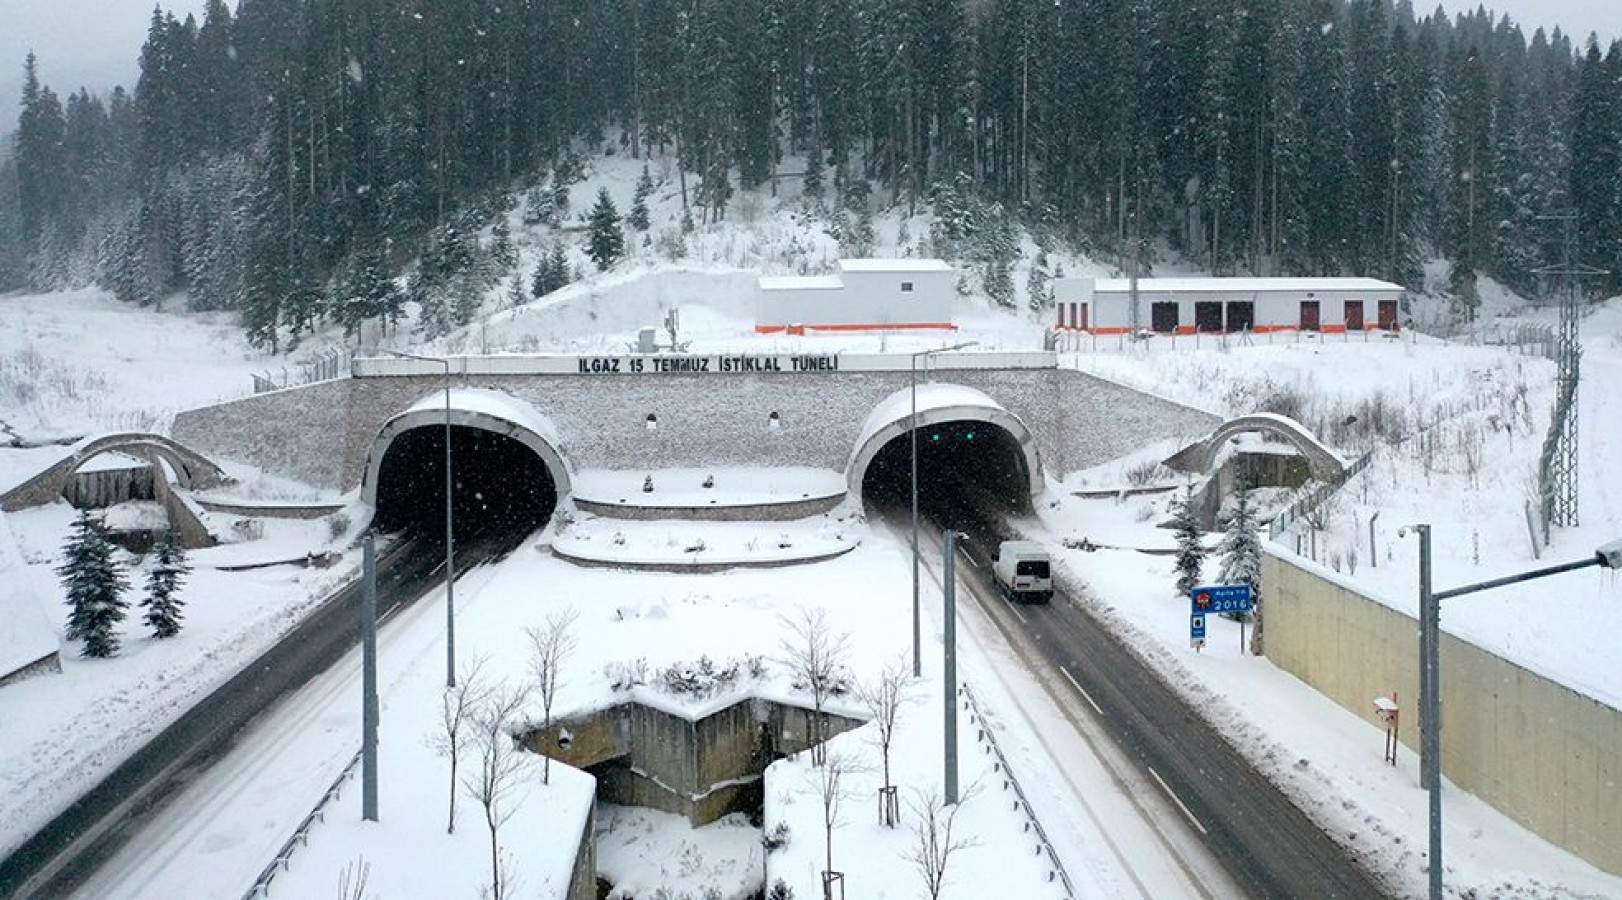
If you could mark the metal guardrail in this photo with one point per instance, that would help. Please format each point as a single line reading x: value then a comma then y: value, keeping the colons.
x: 301, y: 835
x: 987, y: 737
x: 1309, y: 502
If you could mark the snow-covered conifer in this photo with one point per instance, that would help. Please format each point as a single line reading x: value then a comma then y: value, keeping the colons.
x: 605, y: 243
x: 162, y: 600
x: 95, y: 584
x: 1190, y: 552
x: 638, y: 218
x: 1241, y: 547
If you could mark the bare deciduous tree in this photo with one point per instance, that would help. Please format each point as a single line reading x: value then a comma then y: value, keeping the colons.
x: 352, y: 880
x: 550, y: 645
x: 501, y: 764
x: 831, y: 788
x: 884, y: 697
x: 456, y: 707
x: 815, y: 658
x: 935, y: 845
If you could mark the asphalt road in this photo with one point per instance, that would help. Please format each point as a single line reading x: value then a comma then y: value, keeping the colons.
x: 66, y: 851
x: 1269, y: 846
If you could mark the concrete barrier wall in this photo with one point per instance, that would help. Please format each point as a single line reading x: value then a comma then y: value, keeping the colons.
x: 319, y: 434
x: 700, y: 769
x: 583, y: 879
x: 1546, y: 756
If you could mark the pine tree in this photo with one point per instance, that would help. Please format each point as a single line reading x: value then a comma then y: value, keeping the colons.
x: 1241, y: 546
x: 162, y: 584
x: 1190, y: 552
x: 605, y: 243
x: 638, y: 218
x: 94, y: 582
x: 1036, y: 283
x: 1241, y: 552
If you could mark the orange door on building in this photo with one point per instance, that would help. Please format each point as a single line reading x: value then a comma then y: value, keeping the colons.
x: 1388, y: 315
x: 1354, y: 315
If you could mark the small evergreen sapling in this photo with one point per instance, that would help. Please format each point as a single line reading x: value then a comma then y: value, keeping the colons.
x: 162, y: 602
x: 1190, y: 552
x: 95, y: 585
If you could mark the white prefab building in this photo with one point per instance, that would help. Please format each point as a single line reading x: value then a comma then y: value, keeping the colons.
x: 864, y: 295
x: 1221, y: 305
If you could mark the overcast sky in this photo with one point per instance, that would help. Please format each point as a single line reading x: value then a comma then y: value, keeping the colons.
x: 95, y: 43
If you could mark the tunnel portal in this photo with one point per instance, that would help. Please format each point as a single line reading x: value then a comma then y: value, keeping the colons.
x: 961, y: 463
x: 499, y: 482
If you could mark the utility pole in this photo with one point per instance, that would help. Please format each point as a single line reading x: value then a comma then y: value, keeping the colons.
x: 1133, y: 248
x: 368, y: 728
x: 949, y: 688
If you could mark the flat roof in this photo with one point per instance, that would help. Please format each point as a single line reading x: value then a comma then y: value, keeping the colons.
x: 800, y: 282
x: 894, y: 265
x: 1243, y: 285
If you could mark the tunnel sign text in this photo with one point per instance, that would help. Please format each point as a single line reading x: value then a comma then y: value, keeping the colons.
x: 698, y: 365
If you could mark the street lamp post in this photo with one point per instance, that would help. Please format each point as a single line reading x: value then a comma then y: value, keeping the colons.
x: 917, y: 666
x: 1430, y: 671
x: 450, y: 527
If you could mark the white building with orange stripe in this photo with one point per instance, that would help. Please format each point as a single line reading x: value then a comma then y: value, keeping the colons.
x: 864, y: 295
x: 1224, y: 305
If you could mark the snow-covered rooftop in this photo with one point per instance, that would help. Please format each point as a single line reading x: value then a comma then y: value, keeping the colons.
x: 800, y: 283
x: 894, y: 265
x: 26, y: 636
x: 1255, y: 285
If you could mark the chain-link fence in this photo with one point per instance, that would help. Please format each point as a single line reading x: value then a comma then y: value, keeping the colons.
x: 326, y: 365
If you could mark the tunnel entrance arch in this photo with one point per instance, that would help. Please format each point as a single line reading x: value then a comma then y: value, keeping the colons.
x: 1201, y: 456
x: 966, y: 441
x: 507, y: 469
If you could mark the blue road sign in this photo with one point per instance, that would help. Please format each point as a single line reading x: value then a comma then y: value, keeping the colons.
x: 1196, y: 628
x: 1220, y: 598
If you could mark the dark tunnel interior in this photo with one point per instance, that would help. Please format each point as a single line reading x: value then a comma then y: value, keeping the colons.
x: 500, y: 484
x: 966, y: 469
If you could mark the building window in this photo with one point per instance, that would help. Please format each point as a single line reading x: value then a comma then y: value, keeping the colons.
x: 906, y: 287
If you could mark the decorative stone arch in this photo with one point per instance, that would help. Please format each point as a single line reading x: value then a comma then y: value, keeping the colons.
x: 191, y: 469
x: 510, y: 418
x: 937, y: 403
x: 1200, y: 456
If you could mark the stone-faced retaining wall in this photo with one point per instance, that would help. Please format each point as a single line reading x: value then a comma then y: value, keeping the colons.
x: 1539, y: 752
x: 320, y: 434
x: 701, y: 769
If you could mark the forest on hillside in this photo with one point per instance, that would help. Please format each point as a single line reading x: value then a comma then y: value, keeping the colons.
x: 289, y: 160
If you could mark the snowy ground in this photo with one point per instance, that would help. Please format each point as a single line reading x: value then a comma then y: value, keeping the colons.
x: 1479, y: 415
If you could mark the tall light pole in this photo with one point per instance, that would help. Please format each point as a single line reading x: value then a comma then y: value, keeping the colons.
x: 1430, y: 671
x: 917, y: 666
x: 450, y: 526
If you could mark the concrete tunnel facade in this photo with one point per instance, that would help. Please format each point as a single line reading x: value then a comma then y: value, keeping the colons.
x: 939, y: 403
x: 483, y: 410
x: 891, y: 418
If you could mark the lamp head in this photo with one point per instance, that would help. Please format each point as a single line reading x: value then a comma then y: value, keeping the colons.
x: 1610, y: 555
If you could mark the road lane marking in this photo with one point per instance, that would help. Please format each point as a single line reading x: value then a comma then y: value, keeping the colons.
x: 1081, y: 690
x: 1020, y: 614
x: 1177, y: 800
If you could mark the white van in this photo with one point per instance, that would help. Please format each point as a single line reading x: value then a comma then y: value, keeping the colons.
x: 1024, y: 571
